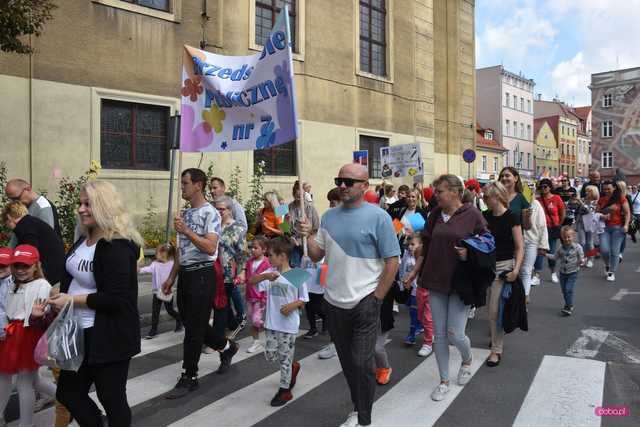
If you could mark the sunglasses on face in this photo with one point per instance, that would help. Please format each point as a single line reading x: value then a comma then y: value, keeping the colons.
x: 544, y: 186
x: 348, y: 182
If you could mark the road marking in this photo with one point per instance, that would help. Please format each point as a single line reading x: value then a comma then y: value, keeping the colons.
x: 630, y: 353
x: 564, y: 392
x: 155, y: 383
x: 409, y: 401
x: 623, y: 293
x: 588, y: 345
x: 256, y: 397
x: 160, y: 342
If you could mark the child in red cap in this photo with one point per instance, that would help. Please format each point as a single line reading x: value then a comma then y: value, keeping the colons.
x: 5, y: 284
x: 24, y: 309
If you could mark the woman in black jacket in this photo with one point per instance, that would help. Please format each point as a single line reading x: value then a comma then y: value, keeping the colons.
x: 101, y: 279
x: 29, y: 230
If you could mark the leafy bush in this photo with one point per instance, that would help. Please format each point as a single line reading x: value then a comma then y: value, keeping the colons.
x: 152, y: 230
x: 5, y: 233
x: 233, y: 189
x: 254, y: 204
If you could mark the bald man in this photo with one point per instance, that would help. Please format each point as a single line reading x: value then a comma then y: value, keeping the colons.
x: 594, y: 179
x: 360, y: 247
x: 38, y: 205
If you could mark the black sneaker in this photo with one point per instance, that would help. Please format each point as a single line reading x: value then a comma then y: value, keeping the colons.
x: 282, y: 396
x: 151, y: 335
x: 179, y: 326
x: 184, y: 386
x: 226, y: 356
x: 310, y: 334
x: 567, y: 310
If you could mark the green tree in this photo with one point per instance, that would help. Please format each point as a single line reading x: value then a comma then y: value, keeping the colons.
x: 22, y: 18
x: 234, y: 184
x: 4, y: 232
x: 254, y: 204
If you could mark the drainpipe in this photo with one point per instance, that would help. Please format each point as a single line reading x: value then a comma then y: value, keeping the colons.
x: 30, y: 149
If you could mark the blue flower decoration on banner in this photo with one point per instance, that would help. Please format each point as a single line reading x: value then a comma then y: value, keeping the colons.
x: 224, y: 145
x: 267, y: 135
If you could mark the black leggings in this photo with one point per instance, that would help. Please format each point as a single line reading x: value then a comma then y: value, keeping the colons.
x: 314, y: 308
x: 110, y: 380
x: 155, y: 312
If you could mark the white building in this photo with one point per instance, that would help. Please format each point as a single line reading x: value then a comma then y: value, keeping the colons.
x: 504, y: 102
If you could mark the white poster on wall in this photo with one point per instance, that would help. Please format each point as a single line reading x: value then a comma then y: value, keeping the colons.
x: 401, y: 160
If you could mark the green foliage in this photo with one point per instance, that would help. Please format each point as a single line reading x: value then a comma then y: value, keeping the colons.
x: 233, y: 189
x: 152, y: 230
x: 210, y: 174
x: 5, y: 233
x: 67, y: 205
x: 21, y: 18
x: 254, y: 204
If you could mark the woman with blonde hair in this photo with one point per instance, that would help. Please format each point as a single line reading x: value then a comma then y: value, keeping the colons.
x: 101, y: 281
x: 506, y: 229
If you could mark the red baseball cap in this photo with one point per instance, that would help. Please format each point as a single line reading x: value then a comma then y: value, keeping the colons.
x: 5, y: 256
x: 25, y: 254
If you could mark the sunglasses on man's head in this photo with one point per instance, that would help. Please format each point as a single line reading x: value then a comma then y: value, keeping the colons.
x: 348, y: 182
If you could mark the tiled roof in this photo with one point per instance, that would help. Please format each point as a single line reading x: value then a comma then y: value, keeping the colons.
x: 482, y: 142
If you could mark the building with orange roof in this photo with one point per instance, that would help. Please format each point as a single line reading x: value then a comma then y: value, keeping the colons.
x: 489, y: 154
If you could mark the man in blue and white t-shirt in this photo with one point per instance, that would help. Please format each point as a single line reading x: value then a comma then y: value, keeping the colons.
x: 361, y: 251
x: 198, y: 230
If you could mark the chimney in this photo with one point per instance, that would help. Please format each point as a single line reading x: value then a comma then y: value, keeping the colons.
x: 539, y: 97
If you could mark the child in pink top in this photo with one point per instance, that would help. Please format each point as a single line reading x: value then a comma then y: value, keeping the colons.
x: 160, y: 269
x: 256, y: 300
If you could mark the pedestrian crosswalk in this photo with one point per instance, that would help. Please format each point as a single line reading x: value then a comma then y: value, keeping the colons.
x: 565, y: 387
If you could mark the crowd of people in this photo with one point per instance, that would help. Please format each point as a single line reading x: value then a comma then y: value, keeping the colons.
x: 443, y: 251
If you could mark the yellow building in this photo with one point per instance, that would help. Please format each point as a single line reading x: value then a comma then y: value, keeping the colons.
x: 105, y: 77
x: 547, y: 159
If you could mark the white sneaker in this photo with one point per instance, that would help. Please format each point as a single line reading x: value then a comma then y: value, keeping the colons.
x: 535, y: 280
x: 425, y: 350
x: 351, y: 421
x: 554, y: 278
x: 440, y: 392
x: 611, y: 277
x: 396, y: 309
x: 328, y: 352
x: 589, y: 263
x: 464, y: 374
x: 207, y: 350
x: 472, y: 313
x: 255, y: 347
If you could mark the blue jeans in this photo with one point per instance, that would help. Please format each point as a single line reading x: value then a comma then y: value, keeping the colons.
x: 567, y: 283
x: 611, y: 245
x: 552, y: 250
x: 449, y: 322
x: 233, y: 293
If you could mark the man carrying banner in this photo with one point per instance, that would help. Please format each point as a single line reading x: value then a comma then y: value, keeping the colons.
x: 361, y: 251
x: 198, y: 230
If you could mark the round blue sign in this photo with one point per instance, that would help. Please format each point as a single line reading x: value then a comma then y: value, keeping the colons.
x: 469, y: 155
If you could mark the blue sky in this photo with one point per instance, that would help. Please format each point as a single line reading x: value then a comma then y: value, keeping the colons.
x: 558, y: 43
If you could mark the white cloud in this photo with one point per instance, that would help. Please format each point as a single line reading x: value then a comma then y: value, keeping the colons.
x: 609, y: 33
x: 518, y: 36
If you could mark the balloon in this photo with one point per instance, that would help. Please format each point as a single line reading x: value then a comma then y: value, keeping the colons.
x: 371, y: 197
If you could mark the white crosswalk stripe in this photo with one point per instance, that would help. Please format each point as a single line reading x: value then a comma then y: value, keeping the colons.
x: 564, y: 391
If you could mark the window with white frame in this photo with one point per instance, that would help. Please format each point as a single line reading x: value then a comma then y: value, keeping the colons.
x: 606, y: 159
x: 507, y: 99
x: 515, y: 129
x: 529, y: 132
x: 528, y: 105
x: 515, y: 102
x: 163, y: 5
x: 484, y: 163
x: 521, y: 104
x: 607, y: 100
x: 528, y: 160
x: 488, y: 135
x: 522, y: 130
x: 507, y: 125
x: 607, y: 129
x: 495, y: 164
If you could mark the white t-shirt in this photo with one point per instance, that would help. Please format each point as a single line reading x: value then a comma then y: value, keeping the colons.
x: 635, y: 198
x: 279, y: 293
x: 80, y: 267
